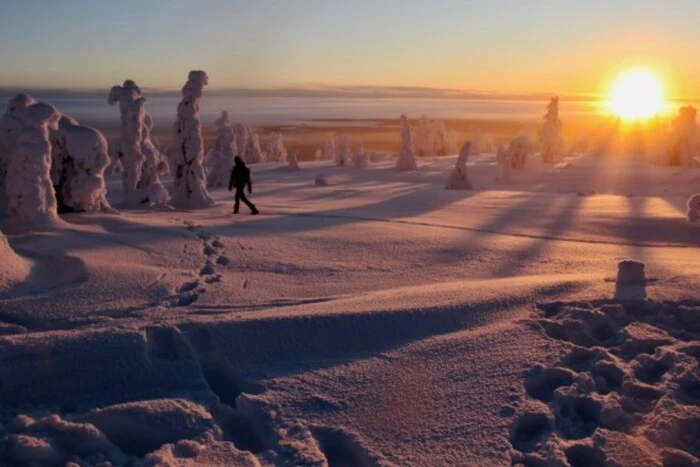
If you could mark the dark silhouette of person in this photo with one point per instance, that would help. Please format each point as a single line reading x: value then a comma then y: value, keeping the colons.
x: 240, y: 179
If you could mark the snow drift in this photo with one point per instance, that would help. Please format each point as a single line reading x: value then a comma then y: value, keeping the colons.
x: 13, y: 268
x: 220, y: 157
x: 187, y: 154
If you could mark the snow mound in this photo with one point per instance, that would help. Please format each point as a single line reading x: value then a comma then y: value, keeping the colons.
x: 693, y: 213
x: 626, y: 388
x: 320, y: 181
x: 13, y: 269
x: 458, y: 179
x: 187, y: 155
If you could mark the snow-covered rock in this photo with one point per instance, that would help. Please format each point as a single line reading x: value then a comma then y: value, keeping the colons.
x: 550, y: 135
x: 693, y: 212
x: 10, y: 127
x: 276, y: 152
x: 359, y: 157
x: 342, y: 150
x: 320, y: 180
x: 407, y: 159
x: 79, y: 158
x: 187, y: 154
x: 138, y: 157
x: 459, y: 179
x: 220, y: 157
x: 31, y: 199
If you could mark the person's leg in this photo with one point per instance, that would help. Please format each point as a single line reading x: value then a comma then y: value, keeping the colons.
x: 250, y: 205
x: 237, y: 200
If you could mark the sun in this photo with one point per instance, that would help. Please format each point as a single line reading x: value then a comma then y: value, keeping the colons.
x: 637, y: 94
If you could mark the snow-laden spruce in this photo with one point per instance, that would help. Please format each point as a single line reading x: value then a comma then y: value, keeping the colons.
x: 482, y: 143
x: 505, y: 165
x: 79, y: 158
x: 342, y: 150
x: 11, y: 125
x: 360, y: 158
x: 139, y: 161
x: 247, y: 144
x: 318, y: 155
x: 187, y: 153
x: 550, y: 135
x: 294, y: 161
x: 693, y: 212
x: 433, y: 139
x: 276, y: 152
x: 459, y: 179
x: 519, y: 151
x: 220, y: 157
x: 30, y: 194
x: 684, y: 138
x: 407, y: 159
x: 329, y: 148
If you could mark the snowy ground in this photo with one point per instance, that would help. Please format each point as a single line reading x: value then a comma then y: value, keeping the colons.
x: 380, y: 320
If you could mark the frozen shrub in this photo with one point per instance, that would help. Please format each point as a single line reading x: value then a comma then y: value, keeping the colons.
x: 458, y: 179
x: 407, y: 159
x: 140, y: 162
x: 187, y: 155
x: 276, y: 152
x: 220, y: 157
x: 31, y: 198
x: 550, y: 135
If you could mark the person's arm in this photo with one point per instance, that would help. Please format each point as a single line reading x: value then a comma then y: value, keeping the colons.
x: 230, y: 182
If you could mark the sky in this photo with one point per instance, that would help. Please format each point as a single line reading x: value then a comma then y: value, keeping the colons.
x: 503, y: 46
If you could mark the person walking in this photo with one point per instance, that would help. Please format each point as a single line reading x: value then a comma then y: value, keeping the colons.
x: 240, y: 179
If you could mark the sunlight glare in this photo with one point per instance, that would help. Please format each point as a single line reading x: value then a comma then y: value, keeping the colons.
x: 637, y: 94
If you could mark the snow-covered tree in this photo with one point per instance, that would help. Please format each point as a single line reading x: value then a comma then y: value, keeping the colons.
x: 276, y: 152
x: 318, y: 155
x: 329, y: 149
x: 519, y: 151
x: 450, y: 143
x: 79, y: 159
x: 247, y: 144
x: 342, y: 150
x: 140, y: 161
x: 294, y: 161
x: 482, y: 143
x: 505, y: 165
x: 693, y: 212
x: 220, y: 158
x: 407, y: 159
x: 359, y: 157
x: 684, y: 137
x: 31, y: 199
x: 11, y: 125
x: 433, y: 138
x: 187, y: 153
x: 550, y: 135
x: 423, y: 141
x: 459, y: 179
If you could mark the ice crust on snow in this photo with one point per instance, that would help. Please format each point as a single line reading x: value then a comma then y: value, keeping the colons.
x: 187, y: 152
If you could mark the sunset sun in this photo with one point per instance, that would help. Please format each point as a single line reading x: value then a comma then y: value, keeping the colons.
x: 637, y: 94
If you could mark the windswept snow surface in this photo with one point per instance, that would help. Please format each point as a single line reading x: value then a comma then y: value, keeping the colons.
x: 378, y: 319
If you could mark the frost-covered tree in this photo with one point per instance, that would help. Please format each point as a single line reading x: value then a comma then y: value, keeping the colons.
x: 187, y: 154
x: 140, y: 162
x: 342, y: 150
x: 482, y: 143
x: 459, y: 179
x: 294, y: 161
x: 423, y: 140
x: 31, y: 199
x: 519, y: 151
x: 247, y: 144
x: 407, y: 159
x: 11, y: 125
x: 684, y: 137
x: 329, y: 149
x: 220, y: 157
x: 276, y: 152
x: 79, y: 158
x: 450, y: 142
x: 550, y: 135
x: 693, y: 212
x: 433, y: 138
x: 505, y: 165
x: 318, y: 155
x: 359, y: 157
